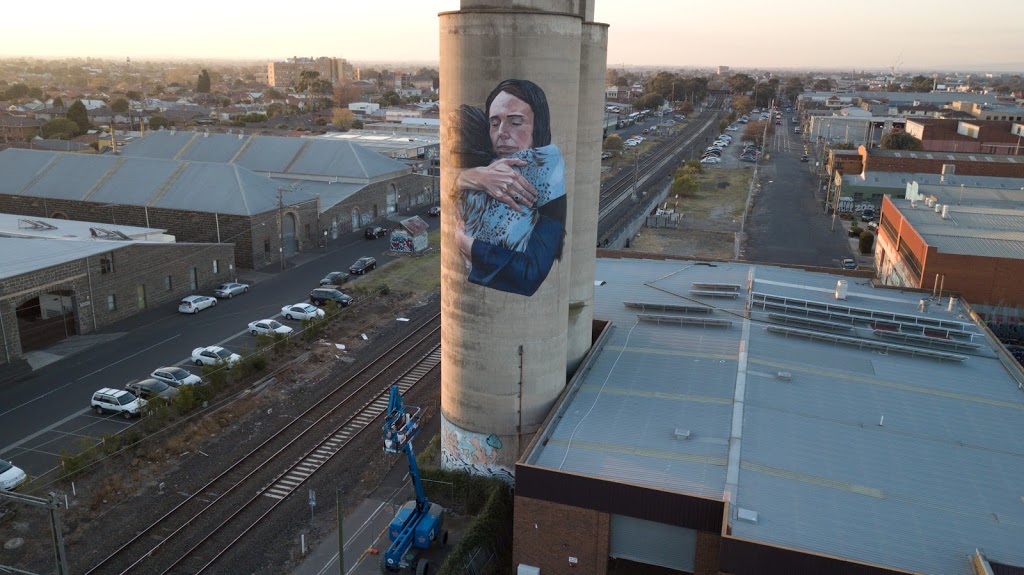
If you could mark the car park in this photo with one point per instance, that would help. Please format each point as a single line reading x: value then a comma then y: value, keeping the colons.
x: 195, y: 303
x: 322, y: 295
x: 117, y: 401
x: 175, y: 376
x: 269, y: 327
x: 363, y: 265
x: 212, y: 354
x: 11, y: 476
x: 849, y: 264
x: 150, y: 387
x: 334, y: 278
x: 301, y: 311
x: 436, y: 210
x: 230, y: 290
x: 374, y: 232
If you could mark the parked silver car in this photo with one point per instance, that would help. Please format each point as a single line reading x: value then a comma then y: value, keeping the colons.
x: 230, y: 290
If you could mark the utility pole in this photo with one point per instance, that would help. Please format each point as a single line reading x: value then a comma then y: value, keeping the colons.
x: 53, y: 505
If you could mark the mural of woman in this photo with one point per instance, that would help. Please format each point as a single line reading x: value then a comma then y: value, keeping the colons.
x: 511, y: 223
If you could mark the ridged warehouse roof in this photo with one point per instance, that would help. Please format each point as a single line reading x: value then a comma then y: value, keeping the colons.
x: 868, y: 450
x: 968, y: 230
x: 313, y: 158
x: 173, y: 184
x: 20, y: 255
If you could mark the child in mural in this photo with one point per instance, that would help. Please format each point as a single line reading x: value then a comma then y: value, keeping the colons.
x: 511, y: 223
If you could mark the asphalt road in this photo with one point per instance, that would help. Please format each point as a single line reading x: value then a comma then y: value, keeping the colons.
x: 49, y: 411
x: 787, y: 224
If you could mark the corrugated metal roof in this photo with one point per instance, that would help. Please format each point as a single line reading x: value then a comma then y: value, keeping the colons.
x: 939, y: 478
x: 20, y: 256
x: 192, y: 186
x: 32, y: 227
x: 969, y: 230
x: 313, y: 157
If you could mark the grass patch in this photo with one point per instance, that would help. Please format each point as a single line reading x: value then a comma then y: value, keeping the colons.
x: 419, y: 274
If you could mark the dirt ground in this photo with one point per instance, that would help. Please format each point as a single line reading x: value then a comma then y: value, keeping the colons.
x: 708, y: 222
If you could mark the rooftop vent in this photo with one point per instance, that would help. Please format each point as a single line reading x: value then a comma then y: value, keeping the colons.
x: 841, y: 289
x: 784, y: 376
x: 747, y: 515
x: 681, y: 434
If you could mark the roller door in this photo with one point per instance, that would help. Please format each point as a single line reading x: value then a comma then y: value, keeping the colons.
x: 653, y: 543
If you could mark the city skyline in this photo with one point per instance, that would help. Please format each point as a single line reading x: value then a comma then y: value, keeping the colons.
x: 642, y: 33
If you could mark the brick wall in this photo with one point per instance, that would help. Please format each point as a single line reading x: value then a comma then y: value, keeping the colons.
x: 706, y: 561
x: 922, y: 165
x: 133, y: 265
x: 414, y: 190
x: 546, y: 534
x: 185, y: 226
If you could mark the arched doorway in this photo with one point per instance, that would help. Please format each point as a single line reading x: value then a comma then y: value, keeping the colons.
x: 46, y: 319
x: 59, y: 216
x: 290, y: 240
x: 392, y: 198
x: 334, y: 228
x: 355, y: 219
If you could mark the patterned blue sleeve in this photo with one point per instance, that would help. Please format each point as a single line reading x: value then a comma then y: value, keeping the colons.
x: 521, y: 272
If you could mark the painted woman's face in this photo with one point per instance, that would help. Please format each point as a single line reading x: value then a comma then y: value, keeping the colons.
x: 511, y: 124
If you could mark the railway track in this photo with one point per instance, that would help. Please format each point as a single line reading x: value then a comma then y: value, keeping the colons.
x: 619, y: 188
x: 191, y: 537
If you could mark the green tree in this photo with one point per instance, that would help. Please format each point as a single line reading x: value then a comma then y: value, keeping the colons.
x: 58, y: 103
x: 794, y: 87
x: 119, y: 105
x: 390, y: 98
x: 272, y: 94
x: 613, y: 143
x: 685, y: 184
x: 35, y: 92
x: 343, y: 118
x: 59, y: 129
x: 843, y: 146
x: 203, y: 82
x: 920, y: 84
x: 899, y: 141
x: 866, y: 242
x: 822, y: 85
x: 693, y: 167
x: 15, y: 91
x: 648, y: 102
x: 685, y: 107
x: 740, y: 83
x: 78, y: 114
x: 157, y: 122
x: 133, y: 95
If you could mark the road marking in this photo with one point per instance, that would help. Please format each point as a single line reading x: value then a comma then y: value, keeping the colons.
x: 52, y: 391
x: 45, y: 430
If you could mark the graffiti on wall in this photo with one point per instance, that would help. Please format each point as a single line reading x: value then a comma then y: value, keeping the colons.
x: 474, y: 453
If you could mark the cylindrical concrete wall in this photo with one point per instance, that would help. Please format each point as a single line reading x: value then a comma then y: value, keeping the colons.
x: 503, y: 348
x: 589, y: 132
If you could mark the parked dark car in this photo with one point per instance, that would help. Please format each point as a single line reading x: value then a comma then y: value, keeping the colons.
x: 320, y: 296
x: 849, y: 264
x: 334, y: 278
x: 805, y: 158
x: 374, y: 232
x: 150, y: 388
x: 363, y: 265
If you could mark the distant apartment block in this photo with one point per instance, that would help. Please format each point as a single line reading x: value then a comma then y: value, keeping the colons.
x: 723, y: 70
x: 286, y: 74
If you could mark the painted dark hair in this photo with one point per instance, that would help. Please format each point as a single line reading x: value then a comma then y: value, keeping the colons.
x: 534, y: 97
x: 472, y: 143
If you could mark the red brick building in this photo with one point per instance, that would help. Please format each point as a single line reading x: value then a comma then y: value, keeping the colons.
x: 977, y: 252
x: 966, y: 136
x: 925, y: 162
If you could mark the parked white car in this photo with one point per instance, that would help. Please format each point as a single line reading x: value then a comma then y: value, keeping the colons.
x: 196, y: 303
x: 301, y: 311
x: 711, y: 160
x: 11, y: 475
x: 175, y: 376
x: 268, y: 326
x: 211, y: 354
x: 230, y: 289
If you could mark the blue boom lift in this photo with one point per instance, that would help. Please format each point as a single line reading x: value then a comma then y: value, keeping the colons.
x: 418, y: 523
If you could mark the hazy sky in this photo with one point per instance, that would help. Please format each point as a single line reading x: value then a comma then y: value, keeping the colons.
x: 873, y: 34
